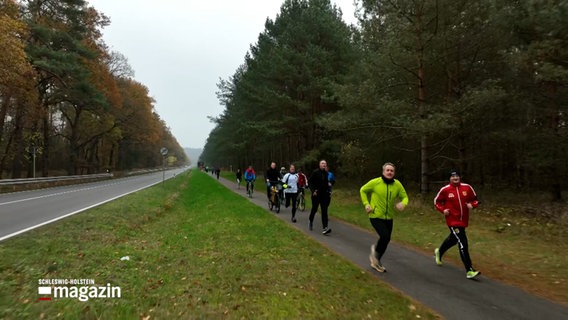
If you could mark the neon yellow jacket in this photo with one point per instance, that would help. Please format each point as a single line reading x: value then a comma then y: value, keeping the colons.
x: 383, y: 196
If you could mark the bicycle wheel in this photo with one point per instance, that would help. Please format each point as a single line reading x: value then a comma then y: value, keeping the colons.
x: 301, y: 203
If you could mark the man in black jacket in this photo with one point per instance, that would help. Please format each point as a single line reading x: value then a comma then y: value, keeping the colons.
x: 272, y: 177
x: 319, y: 185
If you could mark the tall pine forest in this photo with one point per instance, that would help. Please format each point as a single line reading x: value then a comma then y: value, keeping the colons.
x: 430, y: 85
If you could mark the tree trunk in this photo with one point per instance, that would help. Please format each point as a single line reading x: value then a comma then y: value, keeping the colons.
x: 424, y: 153
x: 17, y: 161
x: 46, y: 144
x: 424, y: 165
x: 111, y: 157
x: 556, y: 124
x: 4, y: 159
x: 6, y: 98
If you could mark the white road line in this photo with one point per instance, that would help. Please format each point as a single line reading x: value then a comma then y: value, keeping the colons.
x: 59, y: 193
x: 75, y: 212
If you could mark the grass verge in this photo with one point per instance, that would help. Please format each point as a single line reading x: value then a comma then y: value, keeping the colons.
x: 504, y: 245
x: 196, y: 250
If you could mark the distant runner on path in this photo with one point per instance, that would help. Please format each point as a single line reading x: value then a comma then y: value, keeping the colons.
x: 384, y: 190
x: 290, y: 180
x: 239, y: 175
x: 319, y: 185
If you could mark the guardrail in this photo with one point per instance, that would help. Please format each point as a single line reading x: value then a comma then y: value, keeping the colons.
x: 4, y: 182
x: 10, y: 185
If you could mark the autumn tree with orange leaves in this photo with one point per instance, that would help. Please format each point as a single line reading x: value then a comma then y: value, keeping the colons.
x: 66, y: 97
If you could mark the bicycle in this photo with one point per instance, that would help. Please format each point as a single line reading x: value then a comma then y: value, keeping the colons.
x: 274, y: 202
x: 301, y: 200
x: 250, y: 188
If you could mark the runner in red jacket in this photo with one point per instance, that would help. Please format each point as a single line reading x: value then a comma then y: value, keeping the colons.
x: 455, y: 200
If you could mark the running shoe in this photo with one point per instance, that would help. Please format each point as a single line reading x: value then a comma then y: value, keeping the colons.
x: 378, y: 266
x: 472, y: 273
x: 326, y: 230
x: 311, y: 226
x: 438, y: 257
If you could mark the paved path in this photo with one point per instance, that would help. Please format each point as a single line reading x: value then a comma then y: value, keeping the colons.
x: 444, y: 289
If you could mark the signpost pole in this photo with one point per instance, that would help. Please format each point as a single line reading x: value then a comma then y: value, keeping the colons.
x: 164, y: 152
x: 34, y: 150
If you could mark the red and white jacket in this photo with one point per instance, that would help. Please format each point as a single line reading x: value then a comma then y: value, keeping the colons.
x: 302, y: 180
x: 456, y: 198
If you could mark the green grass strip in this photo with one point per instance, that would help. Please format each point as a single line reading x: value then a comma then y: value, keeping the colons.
x: 197, y: 251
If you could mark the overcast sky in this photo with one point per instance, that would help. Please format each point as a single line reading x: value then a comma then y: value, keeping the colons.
x: 180, y: 48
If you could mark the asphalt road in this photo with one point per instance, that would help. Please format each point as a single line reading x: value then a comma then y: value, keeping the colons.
x: 23, y: 211
x: 445, y: 289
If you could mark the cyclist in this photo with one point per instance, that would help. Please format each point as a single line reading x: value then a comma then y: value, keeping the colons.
x: 250, y: 177
x: 283, y: 171
x: 290, y: 180
x: 302, y: 185
x: 272, y: 178
x: 302, y: 181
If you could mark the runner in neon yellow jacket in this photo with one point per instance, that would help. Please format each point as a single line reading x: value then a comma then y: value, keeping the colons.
x: 384, y: 191
x: 383, y: 196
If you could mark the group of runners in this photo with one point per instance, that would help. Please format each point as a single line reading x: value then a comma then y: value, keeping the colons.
x: 381, y: 198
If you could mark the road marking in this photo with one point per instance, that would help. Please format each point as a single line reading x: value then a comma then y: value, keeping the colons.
x: 61, y: 193
x: 75, y: 212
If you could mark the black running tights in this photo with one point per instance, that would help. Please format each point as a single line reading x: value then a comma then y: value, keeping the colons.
x: 384, y: 230
x: 323, y: 201
x: 457, y: 236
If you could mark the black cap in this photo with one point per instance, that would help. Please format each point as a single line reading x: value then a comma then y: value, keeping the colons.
x: 454, y: 172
